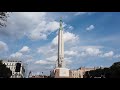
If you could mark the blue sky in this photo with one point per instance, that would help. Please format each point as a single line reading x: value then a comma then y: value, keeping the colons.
x: 91, y: 39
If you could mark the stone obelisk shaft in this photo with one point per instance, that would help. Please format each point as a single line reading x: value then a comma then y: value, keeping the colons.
x: 60, y: 47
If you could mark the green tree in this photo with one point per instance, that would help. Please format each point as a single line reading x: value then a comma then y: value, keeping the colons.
x: 4, y: 71
x: 111, y: 72
x: 86, y: 75
x: 3, y: 18
x: 107, y: 72
x: 115, y: 70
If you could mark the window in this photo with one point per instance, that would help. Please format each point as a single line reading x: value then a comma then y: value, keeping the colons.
x: 18, y: 67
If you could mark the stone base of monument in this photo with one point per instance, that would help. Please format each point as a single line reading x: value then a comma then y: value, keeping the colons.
x: 61, y: 73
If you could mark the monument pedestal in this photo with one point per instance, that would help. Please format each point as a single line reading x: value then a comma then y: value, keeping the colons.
x: 61, y: 73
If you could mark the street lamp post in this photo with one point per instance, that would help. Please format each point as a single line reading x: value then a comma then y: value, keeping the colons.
x: 42, y: 75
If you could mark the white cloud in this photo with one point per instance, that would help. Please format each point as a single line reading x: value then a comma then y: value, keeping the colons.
x: 43, y: 30
x: 83, y: 13
x: 71, y: 53
x: 109, y: 54
x: 37, y: 36
x: 91, y: 27
x: 41, y: 50
x: 47, y: 50
x: 42, y: 62
x: 117, y: 56
x: 19, y: 54
x: 68, y: 60
x: 35, y: 25
x: 49, y: 67
x: 70, y: 27
x: 3, y: 46
x: 52, y: 26
x: 48, y: 60
x: 34, y: 16
x: 80, y: 13
x: 68, y: 37
x: 95, y: 51
x: 52, y: 59
x: 86, y: 51
x: 83, y: 54
x: 25, y: 49
x: 55, y: 40
x: 50, y: 52
x: 16, y: 55
x: 85, y: 47
x: 92, y: 51
x: 28, y: 58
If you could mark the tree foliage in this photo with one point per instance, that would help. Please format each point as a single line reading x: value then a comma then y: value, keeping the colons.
x: 4, y: 71
x: 115, y: 70
x: 111, y: 72
x: 3, y: 18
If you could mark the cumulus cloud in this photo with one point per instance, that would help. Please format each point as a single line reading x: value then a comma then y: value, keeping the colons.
x: 85, y: 47
x: 21, y: 54
x: 68, y: 38
x: 117, y: 56
x: 109, y: 54
x: 28, y: 58
x: 3, y: 46
x: 16, y: 55
x: 78, y: 51
x: 91, y: 27
x: 41, y: 62
x: 34, y: 25
x: 52, y: 59
x: 25, y: 49
x: 96, y: 51
x: 50, y: 52
x: 49, y: 60
x: 47, y: 50
x: 68, y: 60
x: 43, y: 30
x: 80, y: 13
x: 71, y: 53
x: 83, y: 13
x: 87, y: 50
x: 70, y: 28
x: 37, y: 36
x: 34, y: 16
x: 92, y: 51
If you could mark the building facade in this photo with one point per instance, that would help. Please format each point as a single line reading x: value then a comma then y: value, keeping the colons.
x: 75, y: 73
x: 39, y: 76
x: 79, y: 73
x: 17, y: 68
